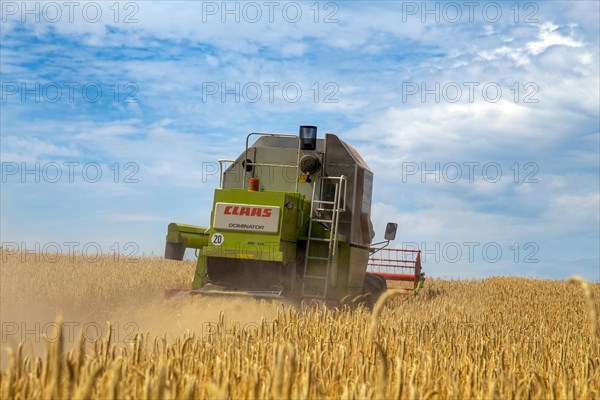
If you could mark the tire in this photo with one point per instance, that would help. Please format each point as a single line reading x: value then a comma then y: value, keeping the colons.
x: 373, y: 287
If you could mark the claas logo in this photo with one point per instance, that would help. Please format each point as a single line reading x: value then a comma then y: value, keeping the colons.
x: 249, y: 211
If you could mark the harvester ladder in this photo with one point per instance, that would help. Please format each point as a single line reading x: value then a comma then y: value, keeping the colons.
x: 317, y: 206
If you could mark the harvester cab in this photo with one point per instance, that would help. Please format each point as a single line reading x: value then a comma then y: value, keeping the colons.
x: 292, y: 218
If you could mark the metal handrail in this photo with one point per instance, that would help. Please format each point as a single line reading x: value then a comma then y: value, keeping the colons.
x: 272, y: 164
x: 221, y: 172
x: 343, y: 182
x: 336, y: 212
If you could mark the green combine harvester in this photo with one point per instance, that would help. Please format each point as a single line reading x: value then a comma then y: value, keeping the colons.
x: 292, y: 219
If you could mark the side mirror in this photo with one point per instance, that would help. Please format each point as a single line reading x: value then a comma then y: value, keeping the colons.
x: 390, y: 231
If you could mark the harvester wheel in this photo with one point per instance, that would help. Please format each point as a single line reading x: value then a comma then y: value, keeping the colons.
x: 373, y: 287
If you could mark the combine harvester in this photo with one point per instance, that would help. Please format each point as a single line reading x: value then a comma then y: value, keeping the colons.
x: 291, y: 219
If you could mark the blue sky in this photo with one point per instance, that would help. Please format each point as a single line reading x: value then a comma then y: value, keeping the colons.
x: 480, y: 120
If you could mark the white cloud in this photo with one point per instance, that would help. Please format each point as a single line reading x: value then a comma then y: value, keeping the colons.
x: 549, y: 37
x: 22, y: 149
x: 584, y: 207
x: 453, y: 131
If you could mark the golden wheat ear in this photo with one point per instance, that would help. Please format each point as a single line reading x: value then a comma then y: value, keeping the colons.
x: 591, y: 303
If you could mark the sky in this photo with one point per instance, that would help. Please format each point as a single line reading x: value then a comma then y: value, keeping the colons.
x: 480, y: 120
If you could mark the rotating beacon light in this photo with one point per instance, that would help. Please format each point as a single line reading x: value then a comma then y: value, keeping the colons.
x: 254, y: 185
x: 308, y: 137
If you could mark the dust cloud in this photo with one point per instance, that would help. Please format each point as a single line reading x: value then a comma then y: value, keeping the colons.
x: 87, y: 296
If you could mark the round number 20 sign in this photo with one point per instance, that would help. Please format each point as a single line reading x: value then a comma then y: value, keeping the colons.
x: 217, y: 239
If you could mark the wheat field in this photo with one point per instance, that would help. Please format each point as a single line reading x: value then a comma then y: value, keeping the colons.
x: 79, y: 328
